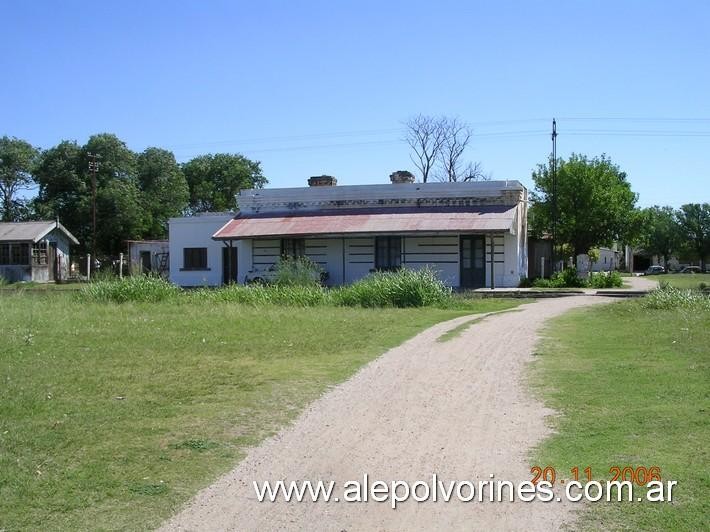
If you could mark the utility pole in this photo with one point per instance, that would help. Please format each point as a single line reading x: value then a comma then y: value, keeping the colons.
x: 554, y: 193
x: 93, y: 168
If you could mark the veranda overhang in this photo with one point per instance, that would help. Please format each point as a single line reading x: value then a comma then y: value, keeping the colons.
x: 360, y: 222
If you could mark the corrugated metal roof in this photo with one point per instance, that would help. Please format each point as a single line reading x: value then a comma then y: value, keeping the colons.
x: 31, y: 231
x: 484, y: 219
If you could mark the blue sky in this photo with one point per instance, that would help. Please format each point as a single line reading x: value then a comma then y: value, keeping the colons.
x: 322, y: 87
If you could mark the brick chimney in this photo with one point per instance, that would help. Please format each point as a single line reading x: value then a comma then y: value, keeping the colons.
x: 322, y: 181
x: 401, y: 176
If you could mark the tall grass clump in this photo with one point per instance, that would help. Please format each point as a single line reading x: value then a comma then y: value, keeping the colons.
x: 256, y: 294
x: 667, y: 297
x: 401, y: 288
x: 144, y: 288
x: 3, y: 281
x: 297, y: 271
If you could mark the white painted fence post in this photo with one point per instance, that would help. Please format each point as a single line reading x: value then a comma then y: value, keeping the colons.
x: 88, y: 266
x: 542, y: 267
x: 120, y: 265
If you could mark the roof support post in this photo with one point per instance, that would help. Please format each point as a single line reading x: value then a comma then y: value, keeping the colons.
x: 229, y: 261
x: 493, y: 263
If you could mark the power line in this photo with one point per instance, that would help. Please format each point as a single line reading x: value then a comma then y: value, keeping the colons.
x: 639, y: 118
x: 474, y: 125
x: 482, y: 136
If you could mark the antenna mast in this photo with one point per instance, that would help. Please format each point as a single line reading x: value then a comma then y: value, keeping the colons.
x: 93, y: 168
x: 554, y: 193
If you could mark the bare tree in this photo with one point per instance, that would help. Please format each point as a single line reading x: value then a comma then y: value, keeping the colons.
x: 457, y: 135
x: 474, y: 172
x: 425, y: 135
x: 438, y: 146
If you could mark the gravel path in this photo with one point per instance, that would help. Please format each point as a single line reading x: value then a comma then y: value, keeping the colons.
x: 458, y: 408
x: 642, y: 283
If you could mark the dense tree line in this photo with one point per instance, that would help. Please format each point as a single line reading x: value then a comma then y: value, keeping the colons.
x: 596, y: 207
x: 136, y: 193
x: 684, y: 232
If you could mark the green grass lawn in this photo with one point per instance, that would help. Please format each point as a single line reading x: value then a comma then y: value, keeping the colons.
x: 42, y: 287
x: 632, y: 386
x: 111, y: 416
x: 685, y: 280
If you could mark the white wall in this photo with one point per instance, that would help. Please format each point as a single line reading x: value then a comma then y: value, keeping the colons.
x: 440, y: 253
x: 359, y: 258
x: 608, y: 260
x: 196, y: 232
x: 153, y: 246
x: 349, y: 259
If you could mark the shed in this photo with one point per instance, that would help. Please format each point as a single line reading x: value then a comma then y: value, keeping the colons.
x: 148, y: 256
x: 35, y: 251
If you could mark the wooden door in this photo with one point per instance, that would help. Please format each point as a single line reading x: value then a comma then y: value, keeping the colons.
x: 473, y: 261
x: 229, y: 265
x: 52, y: 262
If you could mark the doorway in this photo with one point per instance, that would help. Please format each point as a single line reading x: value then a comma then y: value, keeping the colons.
x: 473, y: 261
x: 146, y: 262
x: 229, y: 264
x: 52, y: 260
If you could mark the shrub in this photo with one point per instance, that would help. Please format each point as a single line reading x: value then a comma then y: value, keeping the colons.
x: 140, y: 288
x: 593, y: 255
x: 525, y: 282
x: 402, y: 288
x: 298, y: 271
x: 605, y: 280
x: 570, y: 279
x: 668, y: 297
x: 541, y: 282
x: 567, y: 278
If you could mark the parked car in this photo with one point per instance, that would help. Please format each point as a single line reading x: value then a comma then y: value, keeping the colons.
x: 691, y: 269
x: 655, y: 270
x: 268, y: 275
x: 257, y: 276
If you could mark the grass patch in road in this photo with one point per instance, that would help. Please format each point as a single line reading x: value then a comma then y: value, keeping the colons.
x: 112, y: 416
x: 685, y: 280
x: 631, y: 384
x: 457, y: 331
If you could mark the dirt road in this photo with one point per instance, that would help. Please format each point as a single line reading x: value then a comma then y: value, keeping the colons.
x: 458, y: 408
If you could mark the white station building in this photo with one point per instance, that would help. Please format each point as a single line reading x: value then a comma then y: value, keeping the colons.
x: 472, y: 234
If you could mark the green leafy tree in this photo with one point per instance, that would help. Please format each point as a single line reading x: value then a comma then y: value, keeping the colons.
x: 595, y: 203
x: 63, y: 191
x: 17, y: 160
x: 694, y: 222
x: 660, y: 233
x: 164, y: 188
x: 215, y: 180
x: 120, y: 209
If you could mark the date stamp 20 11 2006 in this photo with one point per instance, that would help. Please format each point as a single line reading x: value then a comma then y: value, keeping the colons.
x: 638, y: 475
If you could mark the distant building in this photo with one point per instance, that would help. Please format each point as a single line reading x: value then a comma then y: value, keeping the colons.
x: 609, y: 259
x: 35, y: 251
x: 148, y: 256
